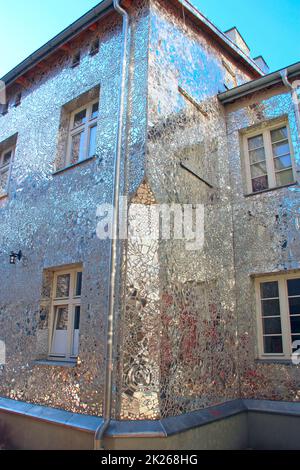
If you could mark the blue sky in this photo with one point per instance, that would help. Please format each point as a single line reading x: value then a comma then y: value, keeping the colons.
x: 270, y: 27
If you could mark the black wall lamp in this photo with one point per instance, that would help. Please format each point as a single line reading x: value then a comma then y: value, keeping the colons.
x: 15, y: 256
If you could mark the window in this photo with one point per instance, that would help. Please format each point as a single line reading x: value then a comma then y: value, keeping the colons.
x: 82, y: 133
x: 278, y: 309
x: 66, y: 300
x: 94, y: 47
x: 18, y: 99
x: 6, y: 158
x: 76, y: 59
x: 269, y: 161
x: 78, y: 130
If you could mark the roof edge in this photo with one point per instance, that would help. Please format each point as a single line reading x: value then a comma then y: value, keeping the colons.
x: 222, y: 36
x: 64, y: 36
x: 97, y: 12
x: 258, y: 84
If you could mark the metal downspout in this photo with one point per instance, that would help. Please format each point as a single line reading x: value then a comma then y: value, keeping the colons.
x: 284, y: 75
x: 107, y: 400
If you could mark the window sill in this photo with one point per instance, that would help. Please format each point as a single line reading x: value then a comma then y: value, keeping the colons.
x: 271, y: 189
x: 62, y: 170
x: 286, y: 362
x: 51, y: 363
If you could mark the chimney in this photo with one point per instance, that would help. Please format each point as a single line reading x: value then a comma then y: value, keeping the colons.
x: 262, y: 64
x: 238, y: 40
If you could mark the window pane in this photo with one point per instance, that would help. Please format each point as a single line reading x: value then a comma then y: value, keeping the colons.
x: 283, y: 162
x: 255, y: 142
x: 293, y: 286
x: 269, y: 290
x: 77, y: 148
x: 61, y: 318
x: 257, y: 155
x: 279, y: 134
x: 78, y: 284
x: 75, y: 348
x: 77, y: 317
x: 273, y: 344
x: 295, y: 324
x: 282, y: 148
x: 6, y: 158
x: 3, y: 181
x: 92, y: 144
x: 63, y: 286
x: 294, y: 303
x: 259, y: 184
x: 95, y: 111
x: 284, y: 177
x: 80, y: 118
x: 60, y: 332
x: 271, y: 326
x: 258, y: 169
x: 270, y: 308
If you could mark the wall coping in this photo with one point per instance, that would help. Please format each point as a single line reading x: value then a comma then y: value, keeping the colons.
x: 148, y: 428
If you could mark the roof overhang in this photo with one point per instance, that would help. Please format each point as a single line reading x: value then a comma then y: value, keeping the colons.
x: 103, y: 8
x: 62, y: 38
x: 261, y: 83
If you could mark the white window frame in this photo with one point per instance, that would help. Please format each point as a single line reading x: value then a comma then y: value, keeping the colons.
x: 284, y: 316
x: 6, y: 168
x: 71, y: 302
x: 86, y: 128
x: 265, y: 131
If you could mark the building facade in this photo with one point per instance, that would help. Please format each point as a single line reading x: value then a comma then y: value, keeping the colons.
x: 202, y: 125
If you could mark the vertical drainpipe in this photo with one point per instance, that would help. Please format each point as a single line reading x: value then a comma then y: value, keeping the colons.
x: 284, y: 76
x: 112, y: 301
